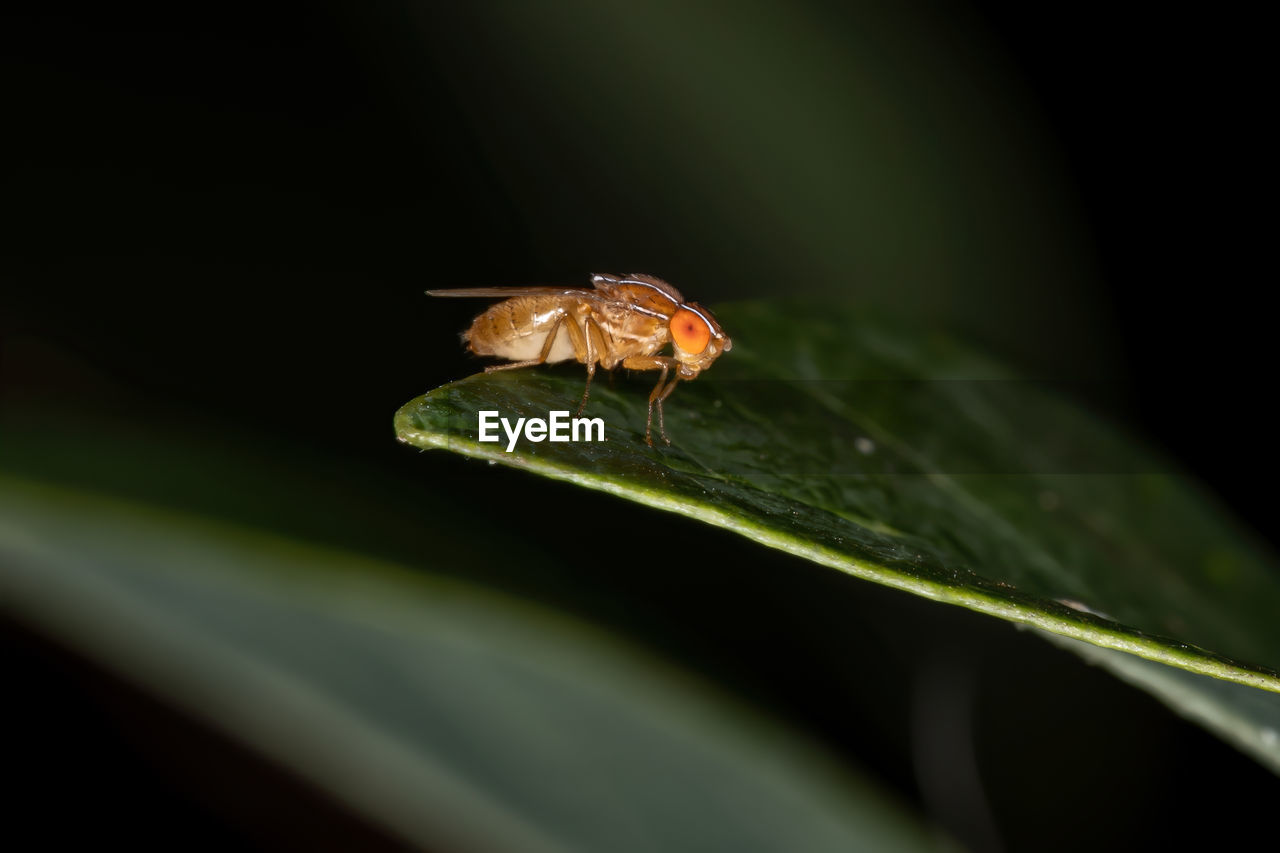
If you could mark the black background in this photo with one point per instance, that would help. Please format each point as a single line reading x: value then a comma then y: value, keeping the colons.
x: 218, y: 213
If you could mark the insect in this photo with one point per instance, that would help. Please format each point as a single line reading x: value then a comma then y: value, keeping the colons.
x: 623, y: 321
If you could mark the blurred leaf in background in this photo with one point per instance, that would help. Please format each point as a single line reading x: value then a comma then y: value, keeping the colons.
x: 451, y: 718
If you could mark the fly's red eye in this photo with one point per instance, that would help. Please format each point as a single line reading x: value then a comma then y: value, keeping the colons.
x: 690, y: 332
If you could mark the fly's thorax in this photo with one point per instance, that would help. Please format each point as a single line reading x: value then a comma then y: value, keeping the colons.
x: 627, y: 332
x: 645, y: 292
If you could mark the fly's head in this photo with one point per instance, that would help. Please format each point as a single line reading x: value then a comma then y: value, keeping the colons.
x: 696, y: 339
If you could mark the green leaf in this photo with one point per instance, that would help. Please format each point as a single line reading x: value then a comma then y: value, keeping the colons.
x: 453, y: 717
x: 916, y: 464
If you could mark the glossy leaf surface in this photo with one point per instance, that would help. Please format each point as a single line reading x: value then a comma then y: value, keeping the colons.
x: 915, y: 464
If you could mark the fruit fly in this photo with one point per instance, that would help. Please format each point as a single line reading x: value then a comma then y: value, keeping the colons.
x: 624, y: 321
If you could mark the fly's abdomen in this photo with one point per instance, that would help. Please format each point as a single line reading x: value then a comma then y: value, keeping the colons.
x: 517, y: 329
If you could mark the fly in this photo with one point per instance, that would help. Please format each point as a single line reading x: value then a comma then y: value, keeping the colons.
x: 624, y: 321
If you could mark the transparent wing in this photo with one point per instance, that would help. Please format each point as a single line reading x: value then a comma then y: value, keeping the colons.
x: 504, y: 292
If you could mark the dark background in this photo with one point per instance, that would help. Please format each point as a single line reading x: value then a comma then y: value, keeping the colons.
x: 221, y: 221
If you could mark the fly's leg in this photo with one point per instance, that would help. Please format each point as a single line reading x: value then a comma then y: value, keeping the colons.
x: 592, y: 333
x: 584, y: 349
x: 659, y: 392
x: 662, y: 423
x: 542, y: 357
